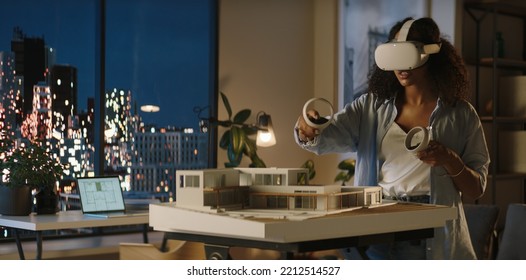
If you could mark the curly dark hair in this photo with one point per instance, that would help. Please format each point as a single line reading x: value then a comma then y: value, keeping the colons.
x: 446, y: 68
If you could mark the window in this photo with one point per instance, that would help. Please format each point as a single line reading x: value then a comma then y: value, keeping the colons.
x: 159, y: 63
x: 269, y: 179
x: 374, y: 18
x: 277, y: 180
x: 305, y: 202
x: 191, y: 181
x: 277, y: 202
x: 125, y: 108
x: 158, y: 53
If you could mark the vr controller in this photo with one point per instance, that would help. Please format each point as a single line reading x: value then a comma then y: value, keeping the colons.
x: 320, y: 123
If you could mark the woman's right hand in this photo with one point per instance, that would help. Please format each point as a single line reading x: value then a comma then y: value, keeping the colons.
x: 305, y: 132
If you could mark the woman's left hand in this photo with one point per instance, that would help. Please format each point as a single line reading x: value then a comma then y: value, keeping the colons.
x: 466, y: 180
x: 437, y: 154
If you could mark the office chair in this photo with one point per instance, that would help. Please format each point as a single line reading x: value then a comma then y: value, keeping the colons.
x: 482, y: 224
x: 513, y: 243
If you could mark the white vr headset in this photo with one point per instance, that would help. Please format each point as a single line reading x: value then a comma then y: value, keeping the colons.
x: 401, y: 54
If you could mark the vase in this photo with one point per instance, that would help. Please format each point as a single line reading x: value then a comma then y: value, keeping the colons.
x: 46, y: 202
x: 15, y: 201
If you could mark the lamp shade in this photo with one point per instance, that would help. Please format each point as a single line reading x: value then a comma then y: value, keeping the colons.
x: 266, y: 136
x: 150, y: 108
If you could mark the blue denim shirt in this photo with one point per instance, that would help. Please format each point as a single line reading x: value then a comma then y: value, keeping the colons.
x: 360, y: 128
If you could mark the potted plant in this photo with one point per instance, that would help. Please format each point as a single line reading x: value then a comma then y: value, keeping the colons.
x: 309, y: 164
x: 346, y: 167
x: 236, y: 138
x: 26, y: 164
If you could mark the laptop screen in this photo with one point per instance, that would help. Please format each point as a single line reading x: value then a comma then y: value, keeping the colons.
x: 100, y: 194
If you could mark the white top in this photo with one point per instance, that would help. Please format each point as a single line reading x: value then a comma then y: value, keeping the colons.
x: 66, y: 220
x: 402, y: 172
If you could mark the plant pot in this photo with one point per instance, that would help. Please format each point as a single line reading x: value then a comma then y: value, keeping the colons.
x: 46, y: 202
x: 15, y: 201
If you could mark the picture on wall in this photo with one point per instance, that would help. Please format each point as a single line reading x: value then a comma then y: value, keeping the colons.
x: 365, y: 25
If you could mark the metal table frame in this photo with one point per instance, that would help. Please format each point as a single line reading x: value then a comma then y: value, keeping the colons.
x: 64, y: 220
x: 217, y: 247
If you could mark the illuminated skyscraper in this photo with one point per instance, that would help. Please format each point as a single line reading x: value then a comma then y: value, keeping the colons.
x: 30, y: 62
x: 118, y: 131
x: 86, y: 127
x: 63, y: 82
x: 40, y: 97
x: 158, y: 154
x: 39, y: 122
x: 10, y: 90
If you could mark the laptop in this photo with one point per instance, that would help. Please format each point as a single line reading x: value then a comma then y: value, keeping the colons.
x: 102, y: 197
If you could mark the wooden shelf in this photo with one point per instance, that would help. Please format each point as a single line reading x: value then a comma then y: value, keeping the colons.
x: 508, y: 176
x: 503, y: 62
x: 504, y: 120
x: 491, y: 10
x: 499, y: 63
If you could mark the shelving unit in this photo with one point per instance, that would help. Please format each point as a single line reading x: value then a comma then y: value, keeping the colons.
x: 489, y: 18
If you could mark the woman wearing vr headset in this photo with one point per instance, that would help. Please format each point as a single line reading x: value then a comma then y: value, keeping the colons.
x: 428, y: 91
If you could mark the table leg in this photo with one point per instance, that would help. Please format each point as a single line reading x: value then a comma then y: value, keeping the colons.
x: 39, y: 245
x: 164, y: 243
x: 19, y: 245
x: 362, y: 251
x: 287, y: 255
x: 216, y: 252
x: 145, y: 229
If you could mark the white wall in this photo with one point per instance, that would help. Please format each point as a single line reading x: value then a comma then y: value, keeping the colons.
x: 445, y: 15
x: 268, y: 62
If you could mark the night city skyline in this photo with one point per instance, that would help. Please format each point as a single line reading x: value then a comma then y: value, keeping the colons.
x: 158, y: 52
x: 161, y: 57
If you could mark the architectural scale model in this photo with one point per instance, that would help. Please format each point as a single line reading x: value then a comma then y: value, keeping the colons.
x: 273, y: 192
x: 279, y: 205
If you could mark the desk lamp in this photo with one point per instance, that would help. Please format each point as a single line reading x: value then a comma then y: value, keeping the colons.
x: 266, y: 136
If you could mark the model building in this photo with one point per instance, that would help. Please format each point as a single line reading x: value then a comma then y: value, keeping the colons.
x: 266, y: 188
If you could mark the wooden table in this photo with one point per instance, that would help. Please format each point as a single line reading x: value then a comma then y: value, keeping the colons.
x: 65, y: 220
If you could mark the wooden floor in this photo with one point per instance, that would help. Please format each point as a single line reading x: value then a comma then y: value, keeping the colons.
x: 105, y: 247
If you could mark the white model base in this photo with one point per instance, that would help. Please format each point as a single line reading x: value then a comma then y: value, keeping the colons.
x: 394, y: 218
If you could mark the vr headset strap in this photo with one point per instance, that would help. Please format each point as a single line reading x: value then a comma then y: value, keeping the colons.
x: 432, y: 48
x: 402, y: 36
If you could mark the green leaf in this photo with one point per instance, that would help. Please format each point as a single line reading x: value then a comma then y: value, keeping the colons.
x: 250, y: 147
x: 347, y: 164
x: 242, y: 116
x: 309, y: 164
x: 237, y: 140
x: 227, y: 105
x: 312, y: 174
x: 340, y: 177
x: 234, y: 159
x: 224, y: 142
x: 348, y: 168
